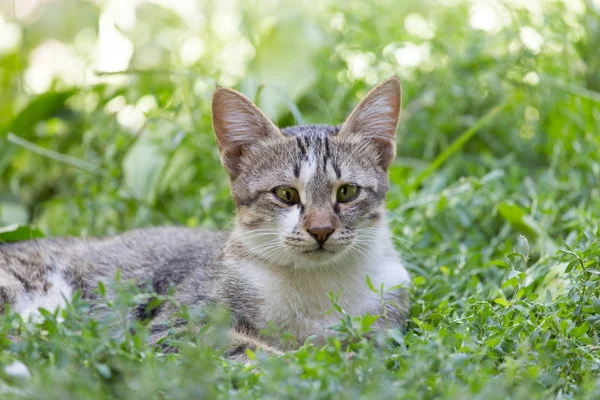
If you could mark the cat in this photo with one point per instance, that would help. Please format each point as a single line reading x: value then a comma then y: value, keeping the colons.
x: 310, y: 220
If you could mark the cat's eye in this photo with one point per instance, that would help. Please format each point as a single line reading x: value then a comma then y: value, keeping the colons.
x: 287, y: 194
x: 347, y: 192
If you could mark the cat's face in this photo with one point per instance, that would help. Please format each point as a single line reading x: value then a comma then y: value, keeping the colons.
x: 308, y: 196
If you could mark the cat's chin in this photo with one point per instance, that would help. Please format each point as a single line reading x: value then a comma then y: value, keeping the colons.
x: 317, y: 258
x: 319, y: 252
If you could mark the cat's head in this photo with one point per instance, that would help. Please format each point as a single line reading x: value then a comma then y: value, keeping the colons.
x: 308, y: 196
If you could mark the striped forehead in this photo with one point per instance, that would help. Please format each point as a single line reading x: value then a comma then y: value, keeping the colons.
x: 314, y: 148
x: 316, y: 167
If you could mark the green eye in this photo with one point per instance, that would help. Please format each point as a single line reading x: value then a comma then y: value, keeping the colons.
x: 346, y: 193
x: 287, y: 194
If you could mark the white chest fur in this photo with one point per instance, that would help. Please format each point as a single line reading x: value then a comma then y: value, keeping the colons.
x: 298, y: 300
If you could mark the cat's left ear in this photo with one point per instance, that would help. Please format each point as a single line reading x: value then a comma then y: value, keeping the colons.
x: 238, y: 124
x: 376, y: 118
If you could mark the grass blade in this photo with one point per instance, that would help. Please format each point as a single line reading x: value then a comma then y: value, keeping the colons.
x: 456, y: 146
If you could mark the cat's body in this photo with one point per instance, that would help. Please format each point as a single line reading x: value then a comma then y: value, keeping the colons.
x: 40, y: 273
x: 310, y: 221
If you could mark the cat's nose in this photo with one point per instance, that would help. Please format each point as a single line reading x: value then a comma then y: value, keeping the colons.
x: 321, y: 233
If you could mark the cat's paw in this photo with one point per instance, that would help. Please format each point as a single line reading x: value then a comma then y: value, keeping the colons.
x: 241, y: 358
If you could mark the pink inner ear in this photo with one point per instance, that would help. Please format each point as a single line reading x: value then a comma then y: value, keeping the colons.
x: 237, y: 123
x: 387, y: 151
x: 376, y: 118
x: 235, y: 119
x: 230, y: 158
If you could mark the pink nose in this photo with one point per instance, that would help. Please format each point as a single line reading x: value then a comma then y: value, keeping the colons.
x: 321, y: 233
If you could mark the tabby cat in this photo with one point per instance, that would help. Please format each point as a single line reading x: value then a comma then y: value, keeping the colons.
x: 310, y: 220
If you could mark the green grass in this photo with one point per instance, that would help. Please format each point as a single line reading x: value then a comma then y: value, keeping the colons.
x: 495, y: 198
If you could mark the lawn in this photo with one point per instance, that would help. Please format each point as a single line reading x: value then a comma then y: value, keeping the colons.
x: 495, y: 199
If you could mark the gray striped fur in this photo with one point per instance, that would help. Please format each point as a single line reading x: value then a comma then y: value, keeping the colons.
x: 269, y: 268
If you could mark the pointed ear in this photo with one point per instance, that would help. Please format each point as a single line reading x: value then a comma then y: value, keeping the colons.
x: 376, y: 118
x: 238, y: 123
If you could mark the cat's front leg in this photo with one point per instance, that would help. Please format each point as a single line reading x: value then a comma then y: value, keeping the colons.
x: 240, y: 342
x: 236, y: 348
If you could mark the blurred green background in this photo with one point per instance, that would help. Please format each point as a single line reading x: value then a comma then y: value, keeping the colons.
x: 108, y: 101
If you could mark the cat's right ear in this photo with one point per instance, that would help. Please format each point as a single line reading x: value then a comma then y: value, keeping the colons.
x: 376, y: 118
x: 238, y: 123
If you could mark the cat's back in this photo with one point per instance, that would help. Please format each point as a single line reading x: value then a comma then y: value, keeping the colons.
x: 162, y: 255
x: 165, y: 242
x: 45, y: 272
x: 158, y: 242
x: 166, y: 251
